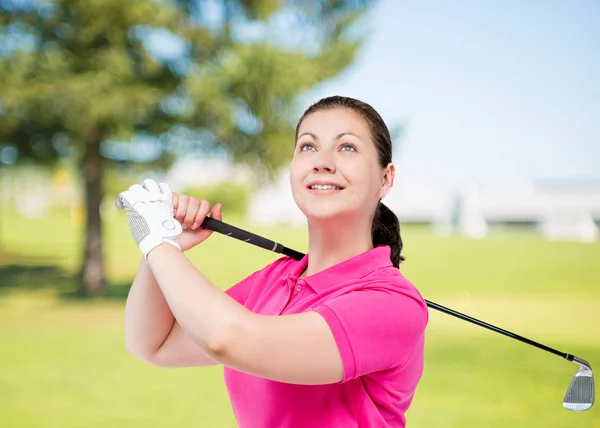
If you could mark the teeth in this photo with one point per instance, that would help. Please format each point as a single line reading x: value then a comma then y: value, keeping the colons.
x: 325, y: 187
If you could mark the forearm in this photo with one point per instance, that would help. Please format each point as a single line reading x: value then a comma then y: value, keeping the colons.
x: 207, y: 315
x: 148, y: 318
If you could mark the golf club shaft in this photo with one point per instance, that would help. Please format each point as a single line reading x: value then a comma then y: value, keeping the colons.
x: 267, y: 244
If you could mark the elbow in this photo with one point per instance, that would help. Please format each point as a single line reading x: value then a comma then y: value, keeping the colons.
x: 135, y: 351
x: 146, y: 355
x: 148, y: 358
x: 223, y: 345
x: 132, y: 347
x: 219, y: 347
x: 218, y: 350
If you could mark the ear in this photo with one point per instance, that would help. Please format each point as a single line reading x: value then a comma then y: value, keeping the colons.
x: 388, y: 180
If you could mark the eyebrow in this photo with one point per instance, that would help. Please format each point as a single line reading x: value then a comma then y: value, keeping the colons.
x: 337, y: 136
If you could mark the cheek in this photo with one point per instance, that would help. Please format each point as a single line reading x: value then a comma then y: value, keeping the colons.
x: 366, y: 182
x: 296, y: 175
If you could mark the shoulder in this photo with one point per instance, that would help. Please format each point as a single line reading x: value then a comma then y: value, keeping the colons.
x: 389, y: 295
x: 384, y: 295
x: 393, y: 282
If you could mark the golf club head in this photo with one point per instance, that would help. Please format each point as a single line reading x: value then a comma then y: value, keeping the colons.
x: 580, y: 395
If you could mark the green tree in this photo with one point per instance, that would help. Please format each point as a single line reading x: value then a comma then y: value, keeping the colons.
x: 89, y: 79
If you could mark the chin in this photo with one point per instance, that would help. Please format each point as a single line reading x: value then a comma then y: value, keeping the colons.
x: 323, y: 211
x: 322, y: 208
x: 322, y: 216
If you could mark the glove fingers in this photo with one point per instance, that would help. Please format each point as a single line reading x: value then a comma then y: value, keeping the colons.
x: 125, y: 199
x: 151, y: 186
x: 119, y: 203
x: 166, y: 190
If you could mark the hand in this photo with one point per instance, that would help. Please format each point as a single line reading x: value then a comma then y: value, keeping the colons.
x: 149, y: 211
x: 191, y: 212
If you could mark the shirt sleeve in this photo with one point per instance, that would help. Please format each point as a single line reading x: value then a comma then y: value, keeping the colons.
x: 241, y: 290
x: 375, y: 328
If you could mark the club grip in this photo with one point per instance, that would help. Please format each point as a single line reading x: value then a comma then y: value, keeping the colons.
x: 242, y: 235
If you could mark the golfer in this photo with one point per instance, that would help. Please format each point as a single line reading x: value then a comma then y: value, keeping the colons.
x: 333, y: 340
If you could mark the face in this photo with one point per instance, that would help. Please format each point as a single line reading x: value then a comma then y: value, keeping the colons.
x: 335, y: 169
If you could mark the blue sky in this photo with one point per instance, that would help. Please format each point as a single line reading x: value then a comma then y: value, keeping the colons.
x: 497, y: 92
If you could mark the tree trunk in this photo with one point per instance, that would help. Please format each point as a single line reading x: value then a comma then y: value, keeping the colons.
x: 3, y: 210
x: 92, y: 281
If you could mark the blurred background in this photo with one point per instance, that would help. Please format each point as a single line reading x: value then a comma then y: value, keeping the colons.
x: 495, y: 112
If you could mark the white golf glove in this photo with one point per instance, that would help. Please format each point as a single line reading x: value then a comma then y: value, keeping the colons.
x: 149, y: 211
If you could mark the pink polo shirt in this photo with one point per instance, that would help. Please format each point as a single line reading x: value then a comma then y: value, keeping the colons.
x: 378, y: 319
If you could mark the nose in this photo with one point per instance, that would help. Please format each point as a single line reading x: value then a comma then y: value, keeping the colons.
x: 324, y: 162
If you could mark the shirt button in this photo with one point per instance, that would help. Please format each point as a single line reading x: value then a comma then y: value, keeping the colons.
x: 298, y: 288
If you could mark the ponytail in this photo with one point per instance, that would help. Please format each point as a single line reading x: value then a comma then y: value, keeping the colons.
x: 386, y: 231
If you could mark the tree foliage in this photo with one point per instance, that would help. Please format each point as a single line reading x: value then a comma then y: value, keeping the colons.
x: 83, y: 78
x: 223, y: 75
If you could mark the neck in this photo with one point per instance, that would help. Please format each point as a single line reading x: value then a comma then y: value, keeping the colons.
x: 334, y: 241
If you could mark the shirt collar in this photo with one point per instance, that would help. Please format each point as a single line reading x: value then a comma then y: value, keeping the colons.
x: 353, y: 268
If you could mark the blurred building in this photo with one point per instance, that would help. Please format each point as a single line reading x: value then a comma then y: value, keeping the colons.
x: 564, y: 210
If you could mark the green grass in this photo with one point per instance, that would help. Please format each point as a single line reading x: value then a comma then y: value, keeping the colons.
x: 63, y: 363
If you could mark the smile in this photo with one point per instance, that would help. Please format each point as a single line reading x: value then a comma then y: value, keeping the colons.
x: 324, y: 187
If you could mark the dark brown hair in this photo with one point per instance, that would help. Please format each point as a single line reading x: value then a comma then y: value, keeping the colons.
x: 386, y: 227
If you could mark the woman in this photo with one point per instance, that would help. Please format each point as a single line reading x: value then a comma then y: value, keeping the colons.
x: 333, y: 340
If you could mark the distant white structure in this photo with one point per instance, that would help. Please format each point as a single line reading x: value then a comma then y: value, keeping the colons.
x: 570, y: 224
x: 470, y: 219
x: 557, y: 212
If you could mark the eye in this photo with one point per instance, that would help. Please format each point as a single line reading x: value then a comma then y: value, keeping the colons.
x: 348, y: 148
x: 306, y: 147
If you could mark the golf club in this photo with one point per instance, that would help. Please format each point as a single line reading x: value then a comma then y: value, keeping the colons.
x: 579, y: 396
